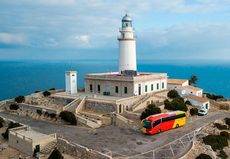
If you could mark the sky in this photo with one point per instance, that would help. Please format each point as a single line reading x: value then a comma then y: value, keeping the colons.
x: 88, y: 29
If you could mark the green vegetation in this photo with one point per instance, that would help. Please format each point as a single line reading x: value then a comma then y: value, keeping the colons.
x: 193, y: 80
x: 217, y: 142
x: 37, y: 91
x: 46, y: 93
x: 188, y: 102
x: 227, y: 121
x: 222, y: 154
x: 56, y: 154
x: 2, y: 121
x: 14, y: 106
x: 150, y: 110
x: 52, y: 89
x: 39, y: 112
x: 220, y: 126
x: 193, y: 111
x: 68, y: 117
x: 10, y: 126
x: 203, y: 156
x: 20, y: 99
x: 175, y: 104
x: 225, y: 134
x: 213, y: 96
x: 173, y: 94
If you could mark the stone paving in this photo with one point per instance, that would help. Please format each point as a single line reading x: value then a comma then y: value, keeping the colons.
x: 118, y: 141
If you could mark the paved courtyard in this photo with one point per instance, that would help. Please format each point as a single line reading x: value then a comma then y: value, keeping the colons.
x: 120, y: 141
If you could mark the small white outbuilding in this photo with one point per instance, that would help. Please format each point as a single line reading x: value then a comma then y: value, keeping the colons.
x: 71, y: 82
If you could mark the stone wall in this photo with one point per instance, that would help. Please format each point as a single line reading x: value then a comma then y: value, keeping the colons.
x: 100, y: 106
x: 79, y: 151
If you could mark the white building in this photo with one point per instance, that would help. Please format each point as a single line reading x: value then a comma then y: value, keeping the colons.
x: 127, y: 81
x: 175, y: 83
x: 189, y: 90
x: 201, y: 103
x: 71, y: 82
x: 26, y: 140
x: 127, y: 46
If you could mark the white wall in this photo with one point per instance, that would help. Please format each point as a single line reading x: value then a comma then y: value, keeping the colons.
x: 127, y: 57
x: 71, y: 82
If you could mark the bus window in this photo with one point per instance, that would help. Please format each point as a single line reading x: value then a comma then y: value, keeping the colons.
x: 155, y: 123
x: 146, y: 124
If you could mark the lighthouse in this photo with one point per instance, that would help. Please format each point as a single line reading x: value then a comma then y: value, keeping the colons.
x: 127, y: 46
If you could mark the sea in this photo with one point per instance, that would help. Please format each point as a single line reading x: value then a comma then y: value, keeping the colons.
x: 23, y: 77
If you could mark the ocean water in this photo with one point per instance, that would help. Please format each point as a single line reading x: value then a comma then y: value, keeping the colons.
x: 24, y: 77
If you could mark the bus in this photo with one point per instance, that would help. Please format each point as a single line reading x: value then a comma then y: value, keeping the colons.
x: 162, y: 122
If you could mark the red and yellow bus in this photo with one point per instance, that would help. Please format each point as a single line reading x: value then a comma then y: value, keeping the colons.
x: 162, y: 122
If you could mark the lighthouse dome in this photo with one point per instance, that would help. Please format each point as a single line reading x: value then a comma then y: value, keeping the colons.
x: 126, y: 18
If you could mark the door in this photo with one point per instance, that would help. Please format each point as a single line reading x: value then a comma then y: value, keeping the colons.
x: 139, y: 89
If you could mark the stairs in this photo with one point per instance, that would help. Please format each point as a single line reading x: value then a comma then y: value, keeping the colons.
x: 49, y: 148
x: 138, y: 103
x: 89, y: 121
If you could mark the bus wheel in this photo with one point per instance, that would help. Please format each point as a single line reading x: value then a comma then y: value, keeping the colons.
x: 177, y: 125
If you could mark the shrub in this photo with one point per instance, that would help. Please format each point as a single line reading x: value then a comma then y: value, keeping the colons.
x: 20, y: 99
x: 213, y: 96
x: 52, y: 89
x: 39, y: 112
x: 203, y: 156
x: 56, y: 154
x: 225, y: 134
x: 150, y: 110
x: 37, y: 91
x: 193, y: 111
x: 173, y: 94
x: 10, y: 126
x: 68, y: 117
x: 220, y: 126
x: 176, y: 104
x: 217, y: 142
x: 46, y: 114
x: 222, y: 155
x: 188, y: 102
x: 14, y: 106
x: 46, y: 93
x: 53, y: 115
x: 227, y: 121
x: 1, y: 122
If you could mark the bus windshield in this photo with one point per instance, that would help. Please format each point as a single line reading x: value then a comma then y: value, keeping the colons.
x: 146, y: 124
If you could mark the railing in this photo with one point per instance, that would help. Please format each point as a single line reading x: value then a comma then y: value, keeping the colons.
x: 80, y: 105
x: 135, y: 105
x: 71, y: 104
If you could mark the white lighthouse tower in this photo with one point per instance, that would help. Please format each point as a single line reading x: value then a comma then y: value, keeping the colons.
x: 127, y: 46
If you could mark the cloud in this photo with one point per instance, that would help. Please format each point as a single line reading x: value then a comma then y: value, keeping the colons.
x: 186, y: 41
x: 82, y: 40
x: 12, y: 39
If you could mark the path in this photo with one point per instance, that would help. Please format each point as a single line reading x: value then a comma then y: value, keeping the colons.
x: 121, y: 142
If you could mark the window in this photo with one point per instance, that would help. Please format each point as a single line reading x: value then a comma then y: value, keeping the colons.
x: 98, y: 88
x: 146, y: 88
x: 116, y: 89
x: 91, y: 87
x: 173, y: 117
x: 163, y: 85
x: 156, y: 123
x: 206, y: 106
x: 157, y: 86
x: 125, y: 90
x: 151, y: 87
